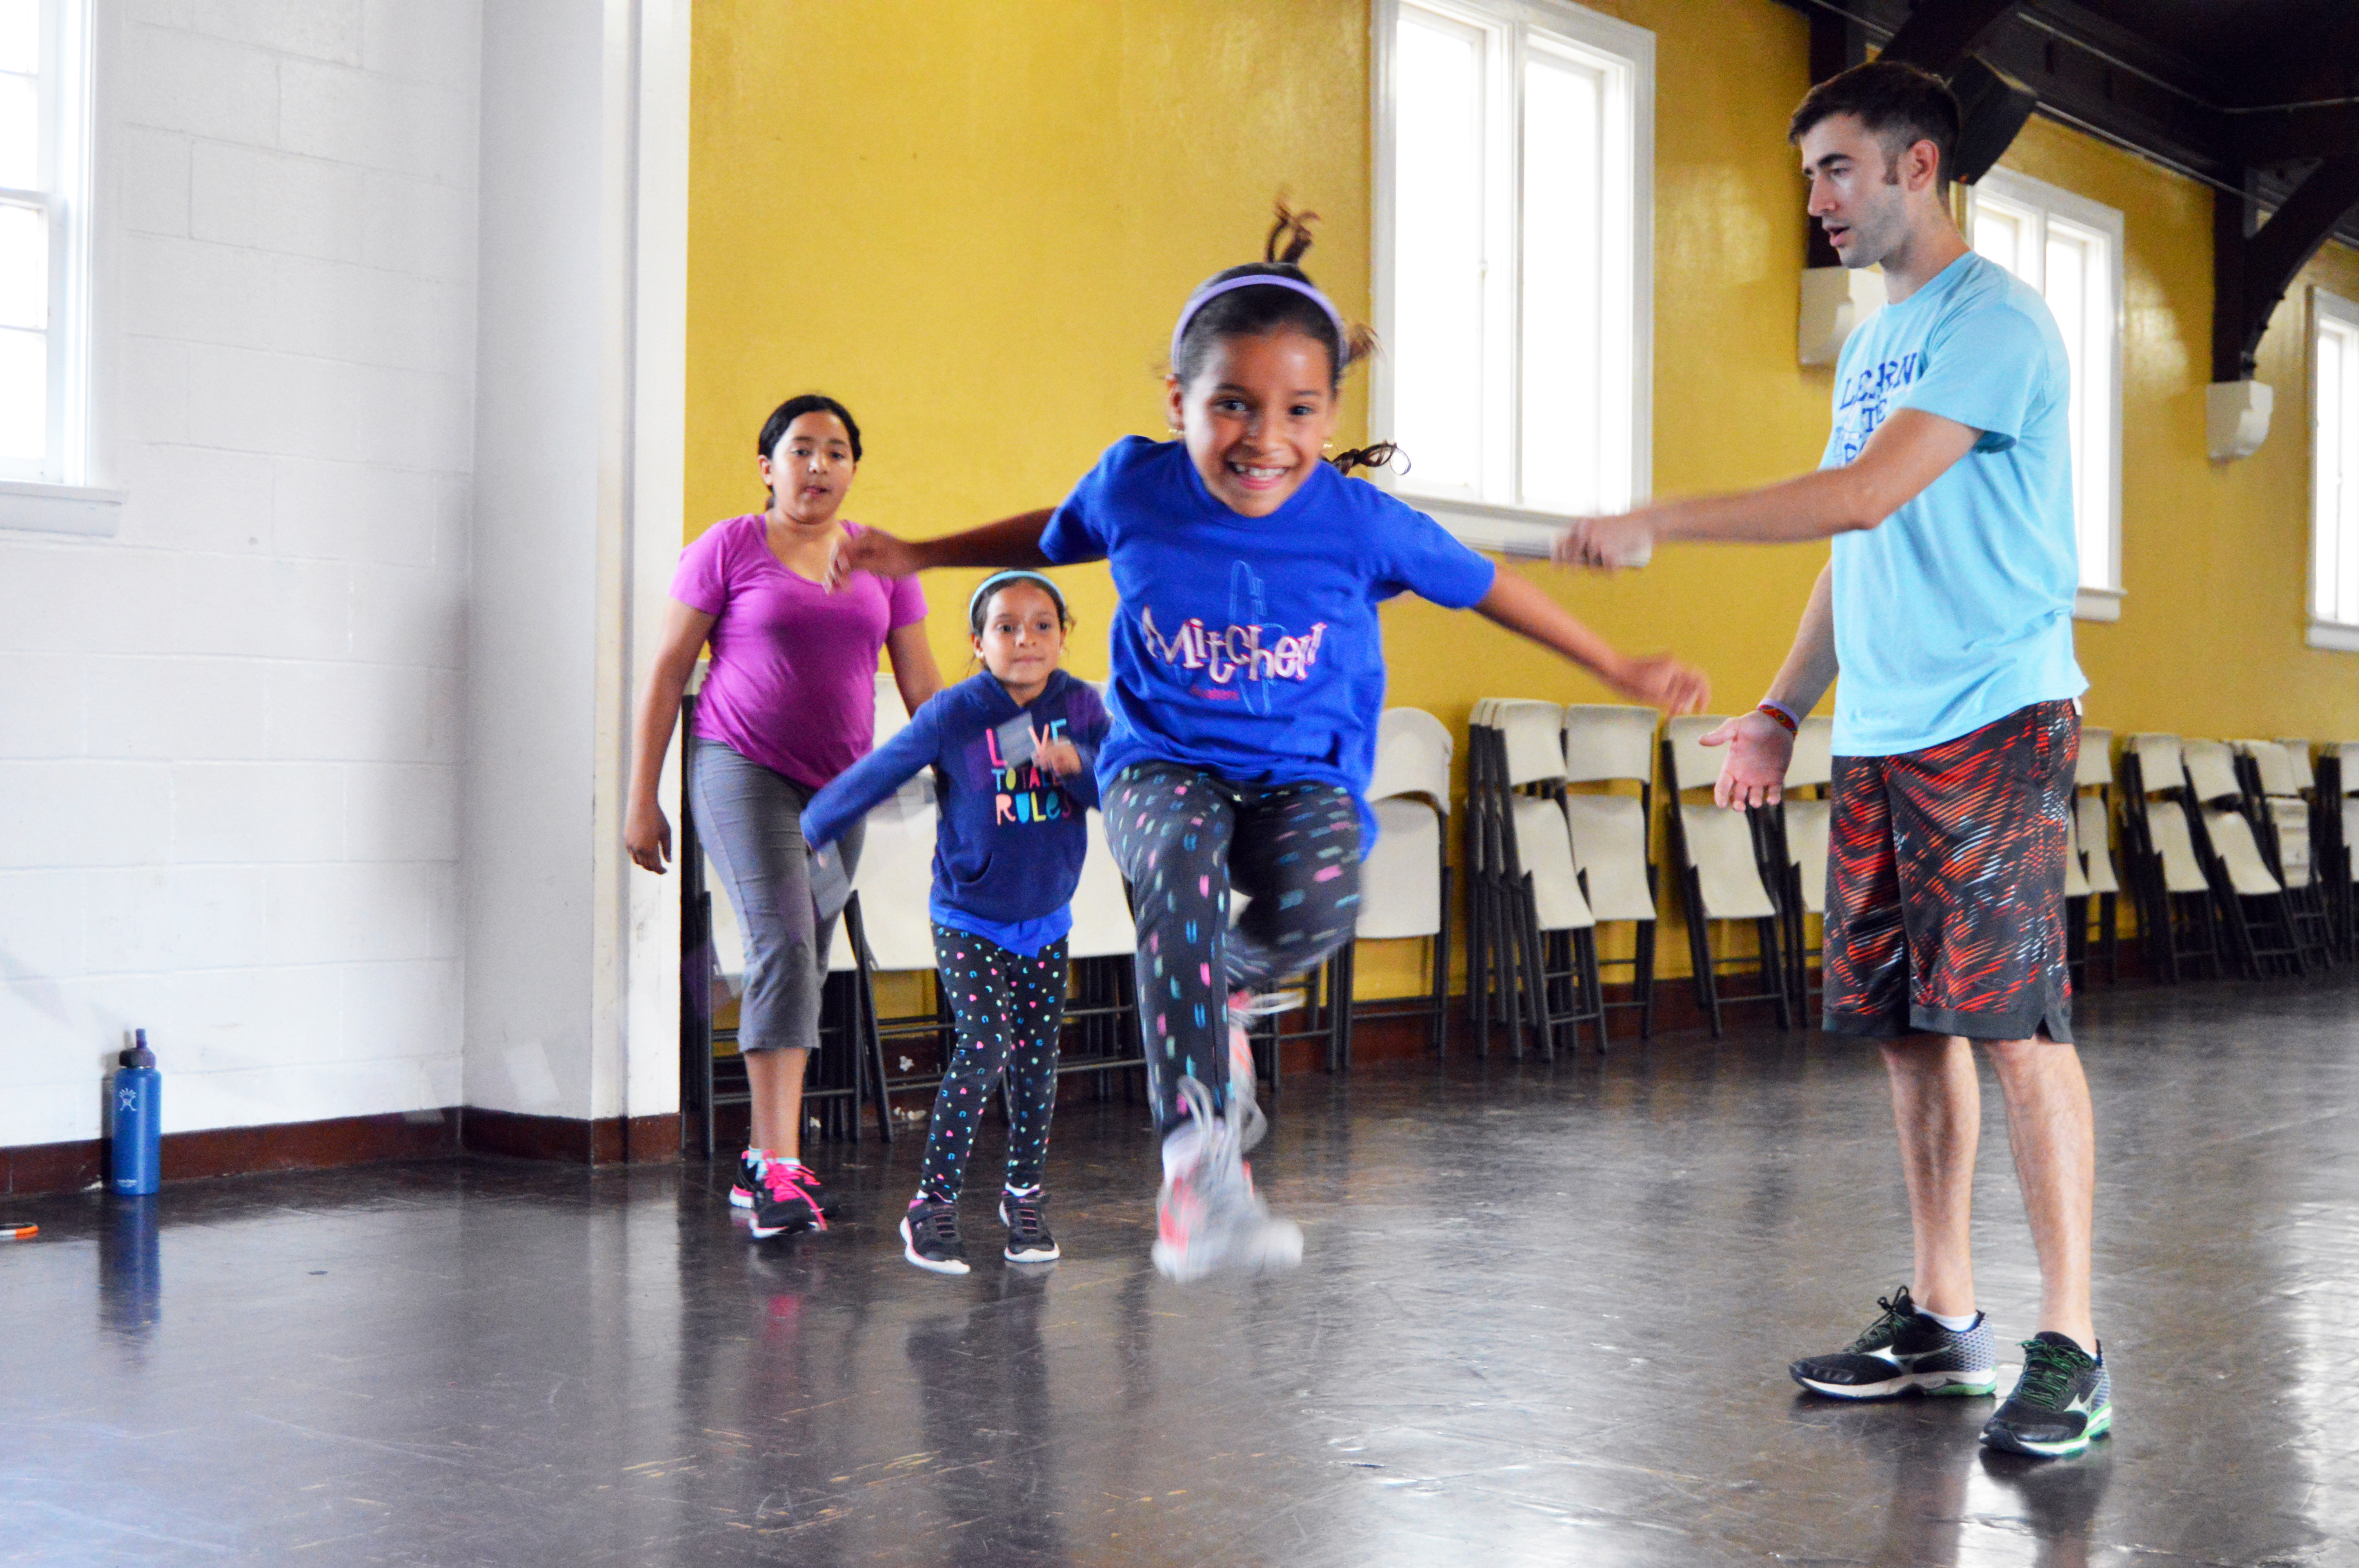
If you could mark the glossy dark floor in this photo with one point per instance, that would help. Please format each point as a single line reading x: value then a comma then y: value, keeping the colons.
x: 1544, y: 1319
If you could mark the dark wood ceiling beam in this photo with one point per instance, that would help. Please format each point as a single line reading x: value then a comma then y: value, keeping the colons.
x: 1940, y: 34
x: 2291, y: 135
x: 2251, y: 273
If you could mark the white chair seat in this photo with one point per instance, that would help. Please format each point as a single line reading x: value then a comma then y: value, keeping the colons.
x: 1608, y: 741
x: 1609, y: 845
x: 1807, y: 822
x: 1532, y: 734
x: 2095, y: 764
x: 1401, y: 882
x: 2233, y: 841
x: 1544, y: 850
x: 1813, y: 762
x: 2291, y: 817
x: 2095, y: 844
x: 895, y: 882
x: 2181, y: 871
x: 1102, y: 924
x: 1413, y: 752
x: 1720, y: 844
x: 2076, y: 874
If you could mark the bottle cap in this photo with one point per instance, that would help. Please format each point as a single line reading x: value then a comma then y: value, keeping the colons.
x: 137, y: 1054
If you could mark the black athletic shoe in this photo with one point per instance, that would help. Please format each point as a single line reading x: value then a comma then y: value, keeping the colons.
x: 1028, y: 1241
x: 2064, y: 1400
x: 929, y: 1238
x: 786, y: 1200
x: 1902, y: 1350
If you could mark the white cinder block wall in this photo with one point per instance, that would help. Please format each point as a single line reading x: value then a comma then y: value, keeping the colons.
x: 229, y: 737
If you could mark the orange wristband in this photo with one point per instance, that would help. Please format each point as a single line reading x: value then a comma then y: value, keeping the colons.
x: 1792, y: 725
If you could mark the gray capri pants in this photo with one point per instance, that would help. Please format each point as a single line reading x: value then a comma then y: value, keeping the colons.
x: 750, y: 819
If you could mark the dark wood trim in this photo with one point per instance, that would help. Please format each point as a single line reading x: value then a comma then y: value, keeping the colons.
x: 2251, y: 268
x: 1940, y: 34
x: 240, y: 1151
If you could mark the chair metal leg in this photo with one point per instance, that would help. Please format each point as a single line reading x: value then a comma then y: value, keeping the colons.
x: 1643, y: 972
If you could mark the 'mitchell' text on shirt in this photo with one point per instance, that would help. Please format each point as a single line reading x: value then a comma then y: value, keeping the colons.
x: 1238, y: 652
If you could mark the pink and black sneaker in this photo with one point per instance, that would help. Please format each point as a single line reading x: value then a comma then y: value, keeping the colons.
x: 786, y: 1199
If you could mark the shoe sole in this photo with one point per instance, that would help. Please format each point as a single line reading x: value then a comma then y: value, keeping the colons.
x: 1279, y: 1248
x: 2008, y: 1443
x: 930, y: 1265
x: 740, y: 1198
x: 1934, y: 1385
x: 758, y: 1232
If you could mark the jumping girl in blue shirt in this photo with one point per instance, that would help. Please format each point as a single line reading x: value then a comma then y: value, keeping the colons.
x: 1011, y: 751
x: 1248, y: 674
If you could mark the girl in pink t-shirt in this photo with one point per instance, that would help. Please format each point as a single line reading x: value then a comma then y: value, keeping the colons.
x: 788, y: 702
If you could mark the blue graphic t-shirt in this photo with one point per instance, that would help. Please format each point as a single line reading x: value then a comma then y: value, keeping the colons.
x: 1249, y: 646
x: 1957, y: 610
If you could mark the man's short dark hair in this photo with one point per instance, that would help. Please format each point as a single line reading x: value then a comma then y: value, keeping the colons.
x: 1896, y: 104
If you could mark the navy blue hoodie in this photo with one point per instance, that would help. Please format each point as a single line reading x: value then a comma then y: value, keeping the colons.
x: 1009, y: 843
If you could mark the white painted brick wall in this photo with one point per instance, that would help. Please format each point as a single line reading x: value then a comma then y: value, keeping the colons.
x: 229, y: 737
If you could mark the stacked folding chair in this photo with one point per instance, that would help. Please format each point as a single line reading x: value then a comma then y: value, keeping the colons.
x: 1721, y: 876
x: 2089, y: 873
x: 2175, y: 909
x: 1534, y: 940
x: 1102, y: 1037
x: 891, y: 928
x: 1605, y: 745
x: 1802, y: 822
x: 2334, y: 834
x: 1405, y: 881
x: 2251, y: 901
x: 2277, y: 779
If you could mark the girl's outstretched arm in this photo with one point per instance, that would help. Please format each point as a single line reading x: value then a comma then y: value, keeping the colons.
x: 1660, y: 679
x: 1010, y: 542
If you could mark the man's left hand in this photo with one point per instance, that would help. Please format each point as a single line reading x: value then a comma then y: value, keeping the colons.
x: 1607, y: 544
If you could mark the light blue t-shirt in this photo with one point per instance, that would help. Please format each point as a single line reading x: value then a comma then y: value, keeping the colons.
x: 1957, y: 610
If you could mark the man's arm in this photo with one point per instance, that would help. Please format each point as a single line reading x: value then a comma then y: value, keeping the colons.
x: 1909, y: 451
x: 1010, y: 542
x: 1759, y: 748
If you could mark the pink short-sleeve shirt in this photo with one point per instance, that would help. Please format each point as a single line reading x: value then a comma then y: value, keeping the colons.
x: 792, y: 681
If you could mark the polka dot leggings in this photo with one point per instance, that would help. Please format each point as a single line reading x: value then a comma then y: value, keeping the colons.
x: 1008, y: 1010
x: 1183, y: 837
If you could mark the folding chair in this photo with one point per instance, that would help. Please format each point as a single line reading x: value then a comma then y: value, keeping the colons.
x: 2093, y: 855
x: 1102, y: 999
x: 2334, y: 832
x: 893, y: 932
x: 1542, y: 941
x: 1404, y: 882
x: 1604, y: 745
x: 1721, y: 875
x: 1802, y: 822
x: 2251, y: 901
x: 2175, y: 909
x: 2277, y: 800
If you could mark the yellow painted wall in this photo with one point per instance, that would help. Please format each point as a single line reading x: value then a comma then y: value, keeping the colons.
x: 974, y: 222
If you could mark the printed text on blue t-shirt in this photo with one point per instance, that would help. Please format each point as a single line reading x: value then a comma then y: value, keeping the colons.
x: 1249, y: 651
x: 1026, y: 793
x: 1864, y: 397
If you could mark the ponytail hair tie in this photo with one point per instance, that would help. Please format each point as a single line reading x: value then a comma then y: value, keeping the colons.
x: 997, y: 581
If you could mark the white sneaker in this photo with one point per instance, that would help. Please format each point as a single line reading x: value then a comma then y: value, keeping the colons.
x: 1208, y: 1219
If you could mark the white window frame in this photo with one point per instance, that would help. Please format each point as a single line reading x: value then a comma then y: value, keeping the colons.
x: 2330, y: 312
x: 55, y: 494
x: 2047, y: 203
x: 1512, y: 27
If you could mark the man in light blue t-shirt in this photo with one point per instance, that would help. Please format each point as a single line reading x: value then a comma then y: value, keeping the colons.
x: 1947, y: 606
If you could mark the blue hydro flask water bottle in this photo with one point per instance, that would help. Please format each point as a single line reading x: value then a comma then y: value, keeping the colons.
x: 138, y: 1120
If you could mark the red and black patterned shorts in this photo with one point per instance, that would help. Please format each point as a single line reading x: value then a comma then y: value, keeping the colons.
x: 1945, y: 884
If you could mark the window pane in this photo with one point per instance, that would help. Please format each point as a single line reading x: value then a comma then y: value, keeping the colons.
x: 20, y: 36
x: 20, y: 133
x: 23, y: 396
x: 24, y: 267
x: 2069, y: 282
x: 1563, y: 287
x: 2336, y: 454
x: 1437, y: 351
x: 2004, y: 235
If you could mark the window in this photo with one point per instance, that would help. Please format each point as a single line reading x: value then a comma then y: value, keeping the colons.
x: 1514, y: 146
x: 2334, y: 471
x: 2069, y: 249
x: 44, y: 240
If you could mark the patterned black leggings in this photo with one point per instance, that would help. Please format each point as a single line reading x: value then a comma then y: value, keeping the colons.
x: 1008, y: 1010
x: 1183, y: 837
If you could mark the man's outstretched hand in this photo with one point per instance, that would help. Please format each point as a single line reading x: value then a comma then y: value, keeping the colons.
x: 1753, y: 772
x: 1607, y: 544
x: 870, y: 550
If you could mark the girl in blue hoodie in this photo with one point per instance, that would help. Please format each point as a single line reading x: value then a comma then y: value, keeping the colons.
x: 1013, y: 753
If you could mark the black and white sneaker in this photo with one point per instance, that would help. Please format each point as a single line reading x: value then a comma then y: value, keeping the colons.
x: 1905, y: 1350
x: 786, y: 1200
x: 1028, y: 1241
x: 929, y: 1238
x: 2064, y: 1402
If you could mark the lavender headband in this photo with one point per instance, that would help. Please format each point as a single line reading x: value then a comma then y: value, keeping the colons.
x: 1212, y: 291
